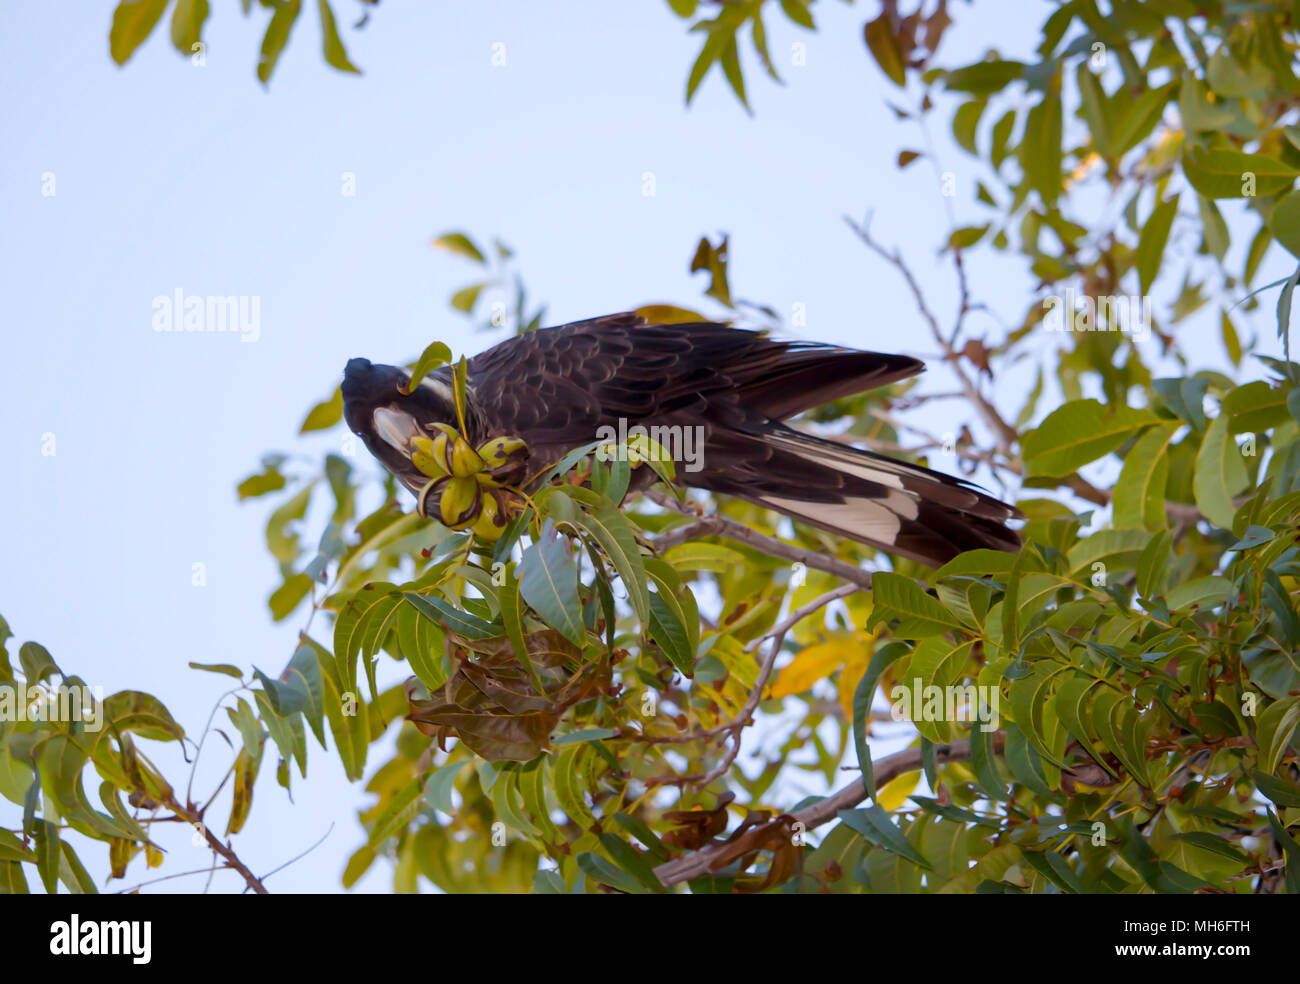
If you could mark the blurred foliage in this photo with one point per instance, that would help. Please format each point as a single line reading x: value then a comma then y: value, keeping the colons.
x: 573, y: 688
x: 134, y: 20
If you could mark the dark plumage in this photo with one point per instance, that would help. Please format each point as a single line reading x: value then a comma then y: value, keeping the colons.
x: 557, y: 387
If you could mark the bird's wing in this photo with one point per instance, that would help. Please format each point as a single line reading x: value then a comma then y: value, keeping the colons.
x: 567, y: 381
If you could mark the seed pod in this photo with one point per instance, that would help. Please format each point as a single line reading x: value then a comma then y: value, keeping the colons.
x: 502, y: 451
x: 442, y: 448
x: 432, y: 490
x: 461, y: 503
x: 492, y: 521
x: 465, y: 461
x: 428, y: 464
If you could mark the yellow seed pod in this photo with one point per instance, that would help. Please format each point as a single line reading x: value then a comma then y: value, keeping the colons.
x: 465, y: 461
x: 442, y: 445
x: 501, y: 451
x: 432, y: 490
x: 492, y: 521
x: 461, y: 503
x: 427, y: 464
x: 422, y: 444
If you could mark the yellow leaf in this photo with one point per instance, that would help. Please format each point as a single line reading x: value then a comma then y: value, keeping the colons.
x: 850, y: 677
x: 813, y: 663
x: 896, y: 792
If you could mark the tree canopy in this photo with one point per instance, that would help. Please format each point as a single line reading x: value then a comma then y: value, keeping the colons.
x: 579, y: 689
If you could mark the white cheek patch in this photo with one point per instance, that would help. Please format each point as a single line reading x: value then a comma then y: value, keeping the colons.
x: 441, y: 388
x: 396, y: 427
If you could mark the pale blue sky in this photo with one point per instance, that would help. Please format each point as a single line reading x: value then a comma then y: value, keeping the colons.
x: 172, y: 175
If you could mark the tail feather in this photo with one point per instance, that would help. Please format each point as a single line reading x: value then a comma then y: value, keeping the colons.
x: 902, y: 508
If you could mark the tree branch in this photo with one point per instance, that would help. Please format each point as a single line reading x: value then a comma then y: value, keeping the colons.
x: 890, y: 767
x: 1003, y: 433
x: 784, y: 626
x: 225, y: 850
x: 733, y: 530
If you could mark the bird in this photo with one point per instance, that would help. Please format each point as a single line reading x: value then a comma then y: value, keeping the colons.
x: 560, y: 388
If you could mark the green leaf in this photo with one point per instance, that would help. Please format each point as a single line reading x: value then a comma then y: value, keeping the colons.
x: 438, y: 788
x: 187, y: 25
x: 288, y: 596
x: 1040, y: 149
x: 1079, y: 432
x: 48, y: 854
x: 1283, y: 792
x: 1277, y: 723
x: 335, y: 54
x: 439, y: 612
x: 1152, y: 242
x: 873, y: 823
x: 1284, y: 222
x: 979, y: 562
x: 1197, y: 111
x: 731, y: 69
x: 513, y: 620
x: 709, y: 53
x: 1140, y: 117
x: 37, y: 663
x: 276, y: 37
x: 610, y: 528
x: 697, y: 556
x: 1220, y: 474
x: 568, y: 790
x: 1205, y: 592
x: 881, y: 659
x: 1096, y: 108
x: 143, y: 714
x: 965, y: 123
x: 674, y: 617
x: 548, y: 581
x: 462, y: 245
x: 1290, y: 850
x: 268, y: 481
x: 895, y: 595
x: 133, y: 21
x: 223, y: 668
x: 435, y: 355
x: 1214, y: 230
x: 1224, y: 173
x: 797, y: 11
x: 465, y: 298
x: 1139, y: 500
x: 323, y: 415
x: 983, y: 78
x: 886, y: 50
x: 1254, y: 407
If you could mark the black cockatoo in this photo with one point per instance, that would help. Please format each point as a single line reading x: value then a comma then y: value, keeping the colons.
x: 556, y: 388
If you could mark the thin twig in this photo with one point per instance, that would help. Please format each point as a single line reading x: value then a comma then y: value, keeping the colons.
x: 299, y: 857
x: 1003, y: 433
x: 214, y: 842
x: 733, y: 530
x: 784, y: 626
x: 888, y: 768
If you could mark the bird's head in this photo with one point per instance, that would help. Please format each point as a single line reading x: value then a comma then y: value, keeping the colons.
x: 378, y: 409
